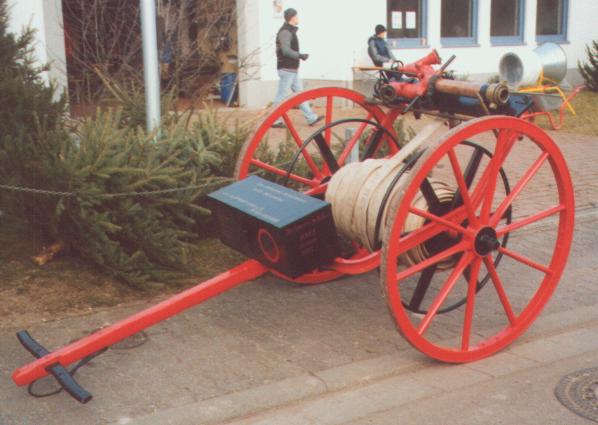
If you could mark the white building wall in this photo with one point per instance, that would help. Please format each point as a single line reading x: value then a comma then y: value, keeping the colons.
x: 582, y: 29
x: 250, y: 74
x: 45, y: 16
x: 335, y: 34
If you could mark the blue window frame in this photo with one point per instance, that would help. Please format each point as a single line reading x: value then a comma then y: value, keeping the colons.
x: 551, y: 20
x: 407, y: 23
x: 507, y: 21
x: 459, y: 23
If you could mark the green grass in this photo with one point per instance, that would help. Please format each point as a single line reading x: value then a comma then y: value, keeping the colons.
x: 585, y: 121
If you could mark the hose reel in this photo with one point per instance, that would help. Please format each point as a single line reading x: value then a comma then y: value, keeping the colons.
x: 361, y: 195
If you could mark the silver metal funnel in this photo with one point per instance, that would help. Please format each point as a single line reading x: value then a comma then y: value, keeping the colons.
x: 525, y: 68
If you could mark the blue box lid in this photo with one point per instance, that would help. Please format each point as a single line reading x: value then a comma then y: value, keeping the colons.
x: 267, y: 201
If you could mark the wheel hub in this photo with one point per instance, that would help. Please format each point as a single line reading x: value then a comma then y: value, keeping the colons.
x: 486, y: 241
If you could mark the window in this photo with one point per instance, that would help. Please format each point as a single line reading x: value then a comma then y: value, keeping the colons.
x: 551, y: 20
x: 406, y: 22
x: 458, y: 22
x: 506, y: 22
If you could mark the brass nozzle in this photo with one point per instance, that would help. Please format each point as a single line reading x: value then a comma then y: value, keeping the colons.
x: 497, y: 94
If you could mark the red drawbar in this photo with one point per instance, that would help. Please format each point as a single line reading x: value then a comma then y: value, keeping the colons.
x: 245, y: 272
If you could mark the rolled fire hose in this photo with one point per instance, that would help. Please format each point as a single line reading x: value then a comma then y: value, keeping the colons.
x: 357, y: 191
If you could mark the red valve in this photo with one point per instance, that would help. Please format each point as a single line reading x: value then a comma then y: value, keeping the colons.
x: 422, y: 69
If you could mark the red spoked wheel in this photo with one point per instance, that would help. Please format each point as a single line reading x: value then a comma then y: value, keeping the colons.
x: 463, y: 235
x: 286, y: 156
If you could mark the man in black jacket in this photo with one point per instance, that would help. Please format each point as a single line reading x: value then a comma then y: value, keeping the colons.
x: 288, y: 57
x: 378, y: 47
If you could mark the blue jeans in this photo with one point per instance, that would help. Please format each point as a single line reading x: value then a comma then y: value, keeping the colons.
x: 290, y: 81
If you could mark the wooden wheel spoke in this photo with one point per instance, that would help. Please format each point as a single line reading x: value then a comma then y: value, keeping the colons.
x: 471, y: 296
x: 529, y: 220
x: 463, y: 187
x: 354, y: 140
x: 310, y: 161
x: 500, y: 290
x: 432, y: 217
x: 435, y: 259
x: 489, y: 175
x: 278, y: 171
x: 521, y: 184
x: 422, y: 287
x: 444, y: 292
x: 505, y: 142
x: 317, y: 191
x: 328, y: 119
x: 479, y: 193
x: 524, y: 260
x: 417, y: 237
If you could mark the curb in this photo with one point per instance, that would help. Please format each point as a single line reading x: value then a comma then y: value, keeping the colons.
x: 342, y: 378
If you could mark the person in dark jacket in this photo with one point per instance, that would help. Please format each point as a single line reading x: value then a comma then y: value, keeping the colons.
x: 378, y: 48
x: 288, y: 58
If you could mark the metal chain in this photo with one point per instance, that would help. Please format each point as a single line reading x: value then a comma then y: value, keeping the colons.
x: 111, y: 195
x: 37, y: 191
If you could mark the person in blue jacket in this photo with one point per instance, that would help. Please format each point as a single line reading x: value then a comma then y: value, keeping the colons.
x: 378, y: 48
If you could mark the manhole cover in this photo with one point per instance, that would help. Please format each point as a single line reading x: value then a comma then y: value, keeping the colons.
x: 578, y: 392
x: 131, y: 342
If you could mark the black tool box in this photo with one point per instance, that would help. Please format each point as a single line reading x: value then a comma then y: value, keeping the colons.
x: 288, y: 231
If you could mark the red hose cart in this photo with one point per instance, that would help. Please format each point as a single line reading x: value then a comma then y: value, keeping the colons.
x: 436, y: 217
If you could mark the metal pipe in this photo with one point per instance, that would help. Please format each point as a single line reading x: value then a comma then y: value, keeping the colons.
x: 493, y: 93
x: 151, y: 67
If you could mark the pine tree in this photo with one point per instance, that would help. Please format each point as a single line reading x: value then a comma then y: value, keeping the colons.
x: 136, y: 205
x: 129, y: 205
x: 26, y: 100
x: 27, y: 114
x: 589, y: 70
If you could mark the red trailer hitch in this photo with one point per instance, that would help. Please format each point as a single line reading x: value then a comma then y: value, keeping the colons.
x: 55, y: 363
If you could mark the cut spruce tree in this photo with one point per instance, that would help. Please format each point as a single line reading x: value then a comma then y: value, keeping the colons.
x: 124, y: 202
x: 589, y: 69
x: 27, y: 112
